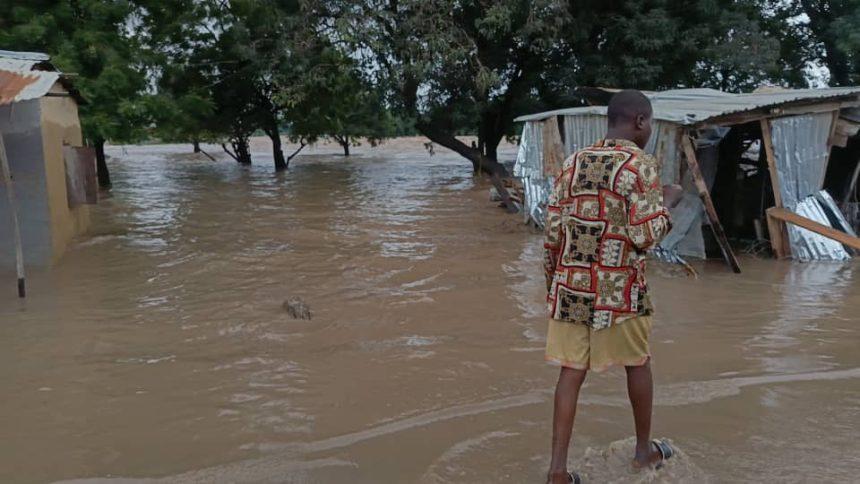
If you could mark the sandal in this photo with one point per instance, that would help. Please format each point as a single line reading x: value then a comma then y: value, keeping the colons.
x: 666, y: 451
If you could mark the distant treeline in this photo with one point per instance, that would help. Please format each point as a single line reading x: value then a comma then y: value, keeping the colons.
x: 220, y: 70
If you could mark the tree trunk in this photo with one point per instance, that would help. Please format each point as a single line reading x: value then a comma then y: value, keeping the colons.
x: 196, y: 145
x: 277, y: 151
x: 343, y: 141
x: 241, y: 152
x: 302, y: 144
x: 101, y: 164
x: 481, y: 163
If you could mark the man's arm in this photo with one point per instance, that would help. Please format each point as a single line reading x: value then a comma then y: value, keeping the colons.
x: 649, y: 220
x: 553, y: 231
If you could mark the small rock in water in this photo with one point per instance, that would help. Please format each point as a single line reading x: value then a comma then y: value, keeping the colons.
x: 297, y: 308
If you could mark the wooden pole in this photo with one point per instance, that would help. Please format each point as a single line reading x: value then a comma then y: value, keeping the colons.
x: 812, y: 225
x: 13, y: 212
x: 778, y: 230
x: 716, y: 226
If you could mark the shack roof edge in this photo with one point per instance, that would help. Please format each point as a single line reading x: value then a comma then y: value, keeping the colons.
x: 687, y: 107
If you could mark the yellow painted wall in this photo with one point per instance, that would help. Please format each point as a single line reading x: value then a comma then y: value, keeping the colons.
x: 61, y: 125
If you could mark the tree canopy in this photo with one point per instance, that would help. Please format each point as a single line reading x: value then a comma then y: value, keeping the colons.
x: 92, y: 40
x: 349, y: 70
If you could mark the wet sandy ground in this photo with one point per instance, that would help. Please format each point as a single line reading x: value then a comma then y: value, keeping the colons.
x: 158, y: 347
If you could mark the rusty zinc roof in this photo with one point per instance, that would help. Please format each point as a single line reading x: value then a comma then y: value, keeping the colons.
x: 23, y: 76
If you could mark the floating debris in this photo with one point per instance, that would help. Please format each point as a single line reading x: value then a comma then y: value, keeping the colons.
x: 297, y: 308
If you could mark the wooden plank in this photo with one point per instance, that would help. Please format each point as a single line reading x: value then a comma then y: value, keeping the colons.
x: 806, y: 109
x: 767, y: 141
x: 716, y: 226
x: 780, y: 235
x: 774, y: 227
x: 553, y: 148
x: 13, y: 212
x: 811, y: 225
x: 765, y: 113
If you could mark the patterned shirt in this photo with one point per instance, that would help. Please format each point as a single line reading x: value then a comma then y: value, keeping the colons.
x: 605, y: 210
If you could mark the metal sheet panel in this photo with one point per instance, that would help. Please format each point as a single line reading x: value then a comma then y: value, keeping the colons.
x: 20, y: 79
x: 800, y: 151
x: 832, y: 211
x: 529, y: 169
x: 807, y: 245
x: 800, y: 148
x: 582, y: 131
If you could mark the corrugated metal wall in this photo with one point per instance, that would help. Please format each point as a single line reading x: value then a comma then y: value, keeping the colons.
x: 582, y: 131
x: 800, y: 150
x: 529, y: 169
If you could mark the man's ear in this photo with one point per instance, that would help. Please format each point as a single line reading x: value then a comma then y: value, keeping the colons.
x: 641, y: 121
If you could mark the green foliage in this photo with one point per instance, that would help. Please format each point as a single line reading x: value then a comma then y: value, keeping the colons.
x: 329, y: 98
x: 663, y: 44
x: 815, y: 34
x: 208, y: 70
x: 449, y: 65
x: 90, y: 40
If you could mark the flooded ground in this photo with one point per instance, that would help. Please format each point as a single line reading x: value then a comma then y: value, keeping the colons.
x: 159, y: 348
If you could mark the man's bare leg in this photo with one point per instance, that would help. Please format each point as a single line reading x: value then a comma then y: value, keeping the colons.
x: 566, y: 396
x: 640, y: 389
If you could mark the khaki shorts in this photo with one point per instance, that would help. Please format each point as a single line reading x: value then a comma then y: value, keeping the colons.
x: 577, y: 346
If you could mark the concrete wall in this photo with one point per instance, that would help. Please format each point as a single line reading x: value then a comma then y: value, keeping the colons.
x: 60, y: 125
x: 20, y: 126
x: 34, y: 132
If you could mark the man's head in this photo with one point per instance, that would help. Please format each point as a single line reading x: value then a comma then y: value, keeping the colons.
x: 629, y: 114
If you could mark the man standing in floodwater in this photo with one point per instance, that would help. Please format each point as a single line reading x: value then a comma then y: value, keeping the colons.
x: 605, y: 210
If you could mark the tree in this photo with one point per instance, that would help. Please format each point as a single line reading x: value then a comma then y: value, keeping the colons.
x: 450, y: 65
x: 90, y: 40
x: 830, y: 32
x: 331, y: 99
x: 173, y: 34
x: 454, y: 66
x: 664, y: 44
x: 217, y: 63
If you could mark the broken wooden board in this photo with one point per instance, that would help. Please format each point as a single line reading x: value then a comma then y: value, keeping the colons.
x: 813, y: 226
x: 716, y: 226
x: 81, y: 182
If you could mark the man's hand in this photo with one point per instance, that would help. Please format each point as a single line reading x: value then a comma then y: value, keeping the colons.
x: 672, y: 195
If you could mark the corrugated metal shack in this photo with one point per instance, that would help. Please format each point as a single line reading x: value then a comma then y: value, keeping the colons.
x: 48, y: 177
x: 752, y: 160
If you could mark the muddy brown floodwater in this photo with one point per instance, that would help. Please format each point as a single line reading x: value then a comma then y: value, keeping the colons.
x: 158, y: 347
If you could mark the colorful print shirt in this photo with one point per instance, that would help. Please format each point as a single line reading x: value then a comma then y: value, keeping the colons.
x: 605, y: 210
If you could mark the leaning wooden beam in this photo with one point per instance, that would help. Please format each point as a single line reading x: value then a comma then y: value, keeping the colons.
x: 778, y: 231
x: 811, y: 225
x: 716, y: 226
x: 13, y: 212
